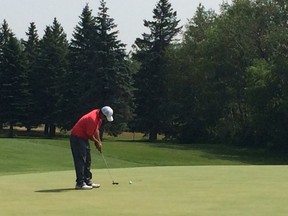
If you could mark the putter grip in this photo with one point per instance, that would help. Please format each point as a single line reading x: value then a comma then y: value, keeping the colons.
x: 99, y: 149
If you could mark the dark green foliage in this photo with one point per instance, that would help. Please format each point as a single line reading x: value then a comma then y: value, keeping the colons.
x: 150, y: 81
x: 58, y: 82
x: 31, y: 52
x: 13, y: 84
x: 230, y: 74
x: 99, y: 66
x: 225, y: 82
x: 232, y: 50
x: 82, y: 58
x: 113, y: 71
x: 52, y: 64
x: 192, y: 102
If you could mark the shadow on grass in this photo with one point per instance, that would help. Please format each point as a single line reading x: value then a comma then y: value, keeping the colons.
x: 59, y: 190
x: 247, y: 155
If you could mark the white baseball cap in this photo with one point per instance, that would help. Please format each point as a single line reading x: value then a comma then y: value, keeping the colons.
x: 108, y: 112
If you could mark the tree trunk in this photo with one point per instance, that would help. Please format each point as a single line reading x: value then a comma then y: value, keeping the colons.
x: 46, y: 130
x: 52, y: 130
x: 11, y: 131
x: 28, y: 128
x: 153, y: 136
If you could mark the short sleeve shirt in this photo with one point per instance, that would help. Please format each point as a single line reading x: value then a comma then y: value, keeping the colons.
x: 87, y: 125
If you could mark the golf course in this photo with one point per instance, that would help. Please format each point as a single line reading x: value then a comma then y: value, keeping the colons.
x: 37, y: 177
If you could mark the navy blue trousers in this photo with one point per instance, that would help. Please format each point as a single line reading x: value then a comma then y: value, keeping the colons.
x: 82, y: 159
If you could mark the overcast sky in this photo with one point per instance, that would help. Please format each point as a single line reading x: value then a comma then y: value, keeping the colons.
x: 128, y: 15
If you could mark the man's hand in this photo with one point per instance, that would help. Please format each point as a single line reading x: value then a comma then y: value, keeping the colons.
x: 98, y: 147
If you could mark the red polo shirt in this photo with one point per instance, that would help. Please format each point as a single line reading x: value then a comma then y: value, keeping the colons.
x: 87, y: 125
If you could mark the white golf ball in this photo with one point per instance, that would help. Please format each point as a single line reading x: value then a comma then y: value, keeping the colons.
x: 130, y: 182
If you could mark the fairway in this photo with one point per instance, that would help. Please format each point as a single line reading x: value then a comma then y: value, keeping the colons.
x: 177, y: 190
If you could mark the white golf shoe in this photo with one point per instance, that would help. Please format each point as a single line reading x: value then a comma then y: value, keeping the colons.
x: 94, y: 185
x: 83, y: 187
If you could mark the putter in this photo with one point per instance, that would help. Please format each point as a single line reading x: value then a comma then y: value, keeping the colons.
x: 113, y: 182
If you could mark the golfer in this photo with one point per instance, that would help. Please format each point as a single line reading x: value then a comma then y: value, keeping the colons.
x: 87, y: 128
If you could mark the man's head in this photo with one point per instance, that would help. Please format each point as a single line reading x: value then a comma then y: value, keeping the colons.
x: 107, y: 112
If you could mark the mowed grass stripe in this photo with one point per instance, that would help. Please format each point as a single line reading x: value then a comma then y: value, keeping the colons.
x: 189, y: 190
x: 33, y: 155
x: 41, y: 155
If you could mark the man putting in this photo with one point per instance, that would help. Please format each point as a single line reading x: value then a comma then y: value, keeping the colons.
x: 87, y: 128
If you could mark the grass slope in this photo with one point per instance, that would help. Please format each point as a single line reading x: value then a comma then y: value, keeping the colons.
x: 169, y: 191
x: 41, y: 155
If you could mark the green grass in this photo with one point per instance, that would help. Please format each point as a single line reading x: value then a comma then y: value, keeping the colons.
x: 163, y: 191
x: 33, y: 155
x: 37, y: 178
x: 24, y: 155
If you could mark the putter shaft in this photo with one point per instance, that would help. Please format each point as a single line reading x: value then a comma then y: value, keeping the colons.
x: 113, y: 182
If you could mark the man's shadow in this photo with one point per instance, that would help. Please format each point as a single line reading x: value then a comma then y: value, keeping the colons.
x: 55, y: 190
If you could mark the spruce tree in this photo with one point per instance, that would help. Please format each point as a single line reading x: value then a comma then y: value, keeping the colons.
x: 82, y: 63
x: 14, y: 90
x: 52, y: 66
x: 150, y: 80
x: 100, y: 71
x: 113, y: 72
x: 31, y: 51
x: 2, y: 42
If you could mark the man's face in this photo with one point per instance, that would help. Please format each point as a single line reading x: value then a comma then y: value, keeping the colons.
x: 102, y: 116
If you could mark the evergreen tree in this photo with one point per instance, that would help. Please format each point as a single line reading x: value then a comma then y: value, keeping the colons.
x: 13, y: 84
x: 80, y: 54
x: 113, y: 71
x: 100, y: 71
x: 31, y: 51
x: 151, y: 94
x: 52, y: 66
x: 2, y: 42
x: 82, y: 63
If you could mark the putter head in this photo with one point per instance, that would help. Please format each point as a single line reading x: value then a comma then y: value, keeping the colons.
x: 115, y: 183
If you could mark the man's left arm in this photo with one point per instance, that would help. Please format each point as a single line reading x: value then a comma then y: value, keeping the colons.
x: 97, y: 140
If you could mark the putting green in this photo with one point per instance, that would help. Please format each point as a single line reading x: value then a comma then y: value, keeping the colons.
x: 194, y: 190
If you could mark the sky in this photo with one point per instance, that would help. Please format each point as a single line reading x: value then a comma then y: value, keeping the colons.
x: 128, y: 15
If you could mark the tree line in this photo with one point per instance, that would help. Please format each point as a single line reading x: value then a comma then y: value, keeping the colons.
x: 224, y: 81
x: 53, y: 81
x: 229, y: 75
